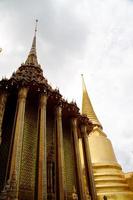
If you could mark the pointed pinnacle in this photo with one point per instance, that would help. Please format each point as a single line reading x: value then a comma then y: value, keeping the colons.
x: 36, y: 25
x: 32, y: 57
x: 87, y: 107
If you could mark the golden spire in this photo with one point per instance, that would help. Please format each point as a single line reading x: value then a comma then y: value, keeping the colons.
x: 32, y: 57
x: 87, y: 108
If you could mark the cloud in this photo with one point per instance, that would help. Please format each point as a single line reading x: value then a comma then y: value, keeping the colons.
x: 91, y: 37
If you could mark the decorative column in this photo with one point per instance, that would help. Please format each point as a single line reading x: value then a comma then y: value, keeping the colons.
x: 78, y: 160
x: 3, y: 99
x: 88, y: 164
x: 60, y: 154
x: 42, y: 160
x: 17, y: 144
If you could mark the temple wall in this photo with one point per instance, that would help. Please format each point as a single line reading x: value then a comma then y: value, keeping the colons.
x: 50, y: 132
x: 69, y: 161
x: 51, y: 156
x: 7, y: 127
x: 29, y: 150
x: 29, y: 155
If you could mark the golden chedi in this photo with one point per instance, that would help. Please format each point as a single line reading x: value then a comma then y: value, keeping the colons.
x: 109, y: 179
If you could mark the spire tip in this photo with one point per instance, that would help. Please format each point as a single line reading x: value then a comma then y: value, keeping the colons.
x: 32, y: 57
x: 87, y: 107
x: 36, y: 25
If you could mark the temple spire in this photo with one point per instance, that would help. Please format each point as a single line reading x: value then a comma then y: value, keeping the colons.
x: 32, y: 57
x: 87, y: 107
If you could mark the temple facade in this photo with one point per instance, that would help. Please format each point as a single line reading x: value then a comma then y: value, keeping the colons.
x: 40, y: 155
x: 39, y: 139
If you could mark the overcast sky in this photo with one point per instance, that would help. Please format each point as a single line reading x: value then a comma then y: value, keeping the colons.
x: 93, y: 37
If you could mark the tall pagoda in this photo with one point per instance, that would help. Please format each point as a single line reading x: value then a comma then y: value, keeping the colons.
x: 39, y: 139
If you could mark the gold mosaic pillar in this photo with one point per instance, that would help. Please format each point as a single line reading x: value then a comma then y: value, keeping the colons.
x: 42, y: 161
x: 60, y: 153
x: 3, y: 99
x: 17, y: 144
x: 88, y: 164
x: 78, y: 160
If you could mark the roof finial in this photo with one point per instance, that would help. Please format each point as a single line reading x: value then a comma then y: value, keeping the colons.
x: 32, y: 57
x: 36, y: 25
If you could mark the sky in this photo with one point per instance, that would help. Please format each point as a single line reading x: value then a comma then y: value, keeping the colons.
x: 90, y: 37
